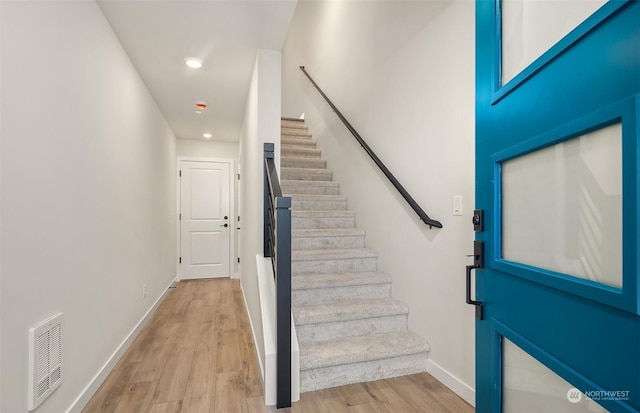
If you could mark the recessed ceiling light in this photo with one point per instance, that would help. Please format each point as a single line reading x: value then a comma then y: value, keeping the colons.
x: 207, y: 135
x: 193, y: 62
x: 197, y: 112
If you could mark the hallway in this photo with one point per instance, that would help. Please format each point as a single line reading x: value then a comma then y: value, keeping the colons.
x: 196, y: 354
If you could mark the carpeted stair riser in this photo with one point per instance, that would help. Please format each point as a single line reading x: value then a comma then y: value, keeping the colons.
x: 322, y: 219
x: 350, y: 328
x: 315, y: 289
x: 349, y: 319
x: 289, y: 142
x: 289, y: 124
x: 295, y: 132
x: 318, y: 203
x: 306, y: 174
x: 341, y: 265
x: 335, y: 294
x: 294, y: 125
x: 299, y: 151
x: 310, y: 187
x: 311, y: 163
x: 367, y: 347
x: 361, y: 358
x: 326, y: 377
x: 302, y: 241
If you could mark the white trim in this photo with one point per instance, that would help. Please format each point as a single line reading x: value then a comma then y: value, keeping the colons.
x: 232, y: 208
x: 267, y: 293
x: 81, y: 401
x: 452, y: 382
x: 253, y: 332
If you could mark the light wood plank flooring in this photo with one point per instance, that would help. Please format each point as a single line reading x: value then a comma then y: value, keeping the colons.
x: 196, y: 354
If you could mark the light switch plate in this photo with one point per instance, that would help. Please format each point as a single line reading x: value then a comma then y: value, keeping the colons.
x: 457, y: 205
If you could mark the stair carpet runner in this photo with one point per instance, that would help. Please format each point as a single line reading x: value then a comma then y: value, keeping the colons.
x: 349, y: 328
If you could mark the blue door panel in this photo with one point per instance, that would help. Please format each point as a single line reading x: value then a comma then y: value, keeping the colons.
x: 596, y: 341
x: 587, y: 333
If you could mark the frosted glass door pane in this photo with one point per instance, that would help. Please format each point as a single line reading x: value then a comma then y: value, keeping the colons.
x: 531, y: 27
x: 562, y: 207
x: 529, y: 386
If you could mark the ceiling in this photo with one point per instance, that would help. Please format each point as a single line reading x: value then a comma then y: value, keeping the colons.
x: 224, y: 34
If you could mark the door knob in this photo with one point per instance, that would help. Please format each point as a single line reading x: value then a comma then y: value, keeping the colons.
x: 226, y: 217
x: 225, y: 225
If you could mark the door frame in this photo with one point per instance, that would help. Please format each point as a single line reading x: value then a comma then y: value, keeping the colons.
x: 232, y: 210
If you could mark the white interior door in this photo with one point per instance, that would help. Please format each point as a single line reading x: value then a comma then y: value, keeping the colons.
x: 206, y: 220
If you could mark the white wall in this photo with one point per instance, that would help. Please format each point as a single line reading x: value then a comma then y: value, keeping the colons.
x: 403, y: 74
x: 261, y: 124
x: 88, y: 193
x: 1, y: 129
x: 207, y: 149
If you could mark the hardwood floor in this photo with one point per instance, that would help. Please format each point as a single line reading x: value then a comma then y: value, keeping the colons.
x: 196, y: 354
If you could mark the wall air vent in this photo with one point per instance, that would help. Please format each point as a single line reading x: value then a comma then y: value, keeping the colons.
x: 45, y: 359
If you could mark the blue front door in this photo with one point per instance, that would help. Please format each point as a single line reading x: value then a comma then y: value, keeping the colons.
x: 557, y: 178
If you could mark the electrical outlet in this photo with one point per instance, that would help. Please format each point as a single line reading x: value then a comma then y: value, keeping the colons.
x: 144, y: 290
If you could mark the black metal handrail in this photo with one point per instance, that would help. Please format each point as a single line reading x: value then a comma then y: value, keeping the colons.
x: 277, y: 245
x: 414, y: 205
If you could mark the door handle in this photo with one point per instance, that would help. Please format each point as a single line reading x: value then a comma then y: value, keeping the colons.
x: 225, y: 225
x: 478, y: 262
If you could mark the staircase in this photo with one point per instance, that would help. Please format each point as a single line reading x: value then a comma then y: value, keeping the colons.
x: 349, y: 328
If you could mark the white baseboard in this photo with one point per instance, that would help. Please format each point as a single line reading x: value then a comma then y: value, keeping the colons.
x: 452, y: 382
x: 81, y: 401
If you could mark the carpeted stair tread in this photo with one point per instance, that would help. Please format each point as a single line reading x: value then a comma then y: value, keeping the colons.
x: 323, y: 219
x: 293, y: 123
x: 360, y: 349
x: 314, y: 281
x: 332, y: 254
x: 315, y: 202
x: 317, y: 197
x: 310, y: 239
x: 332, y: 232
x: 302, y: 162
x: 294, y: 132
x: 294, y: 126
x: 304, y: 141
x: 293, y: 186
x: 306, y: 174
x: 297, y: 143
x: 323, y: 214
x: 288, y: 151
x: 351, y: 310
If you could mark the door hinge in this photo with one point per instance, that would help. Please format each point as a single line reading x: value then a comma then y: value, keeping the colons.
x: 238, y: 260
x: 180, y: 260
x: 180, y: 217
x: 180, y: 174
x: 238, y: 177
